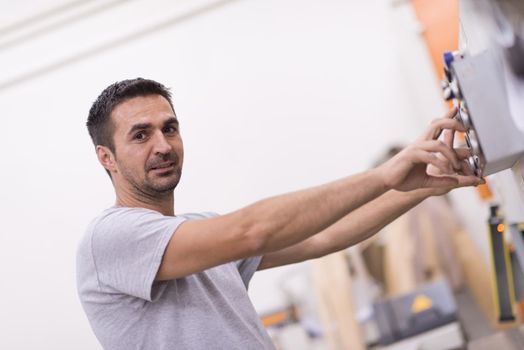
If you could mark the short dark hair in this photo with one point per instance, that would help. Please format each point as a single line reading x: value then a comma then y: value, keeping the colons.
x: 99, y: 122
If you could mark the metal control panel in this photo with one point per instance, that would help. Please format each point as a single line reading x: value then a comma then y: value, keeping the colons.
x: 475, y: 83
x: 485, y: 81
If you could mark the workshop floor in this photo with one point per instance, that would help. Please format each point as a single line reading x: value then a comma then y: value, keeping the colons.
x: 472, y: 319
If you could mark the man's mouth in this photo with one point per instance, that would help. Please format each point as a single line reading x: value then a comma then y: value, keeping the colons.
x: 163, y: 166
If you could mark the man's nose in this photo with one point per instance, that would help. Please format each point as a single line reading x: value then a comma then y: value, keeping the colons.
x: 161, y: 145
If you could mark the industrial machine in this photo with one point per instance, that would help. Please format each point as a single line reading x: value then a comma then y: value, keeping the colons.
x: 485, y: 81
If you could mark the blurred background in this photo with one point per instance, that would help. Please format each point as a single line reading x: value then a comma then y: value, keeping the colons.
x: 272, y: 96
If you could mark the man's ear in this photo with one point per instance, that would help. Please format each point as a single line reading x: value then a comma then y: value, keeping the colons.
x: 106, y: 158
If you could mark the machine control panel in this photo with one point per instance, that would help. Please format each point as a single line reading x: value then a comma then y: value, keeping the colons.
x: 475, y: 84
x: 451, y: 91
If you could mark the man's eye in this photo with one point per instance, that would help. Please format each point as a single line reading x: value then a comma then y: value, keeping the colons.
x: 170, y: 129
x: 139, y: 136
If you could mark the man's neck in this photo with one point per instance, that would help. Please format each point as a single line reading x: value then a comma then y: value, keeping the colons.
x: 164, y: 204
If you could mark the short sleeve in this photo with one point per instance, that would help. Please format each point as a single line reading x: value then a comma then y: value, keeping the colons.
x: 247, y: 268
x: 127, y: 247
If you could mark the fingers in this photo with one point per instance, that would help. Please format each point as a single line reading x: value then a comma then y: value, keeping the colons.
x: 448, y: 137
x: 451, y: 113
x: 442, y: 182
x: 431, y: 158
x: 466, y: 169
x: 463, y: 153
x: 449, y: 156
x: 431, y: 164
x: 438, y: 125
x: 470, y: 180
x: 453, y: 181
x: 443, y: 160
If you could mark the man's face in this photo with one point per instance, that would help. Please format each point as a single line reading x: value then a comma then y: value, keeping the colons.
x: 148, y: 147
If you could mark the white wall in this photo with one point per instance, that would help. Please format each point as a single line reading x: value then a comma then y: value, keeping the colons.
x: 272, y: 96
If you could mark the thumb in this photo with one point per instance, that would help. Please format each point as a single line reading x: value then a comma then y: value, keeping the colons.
x: 469, y: 180
x: 442, y: 181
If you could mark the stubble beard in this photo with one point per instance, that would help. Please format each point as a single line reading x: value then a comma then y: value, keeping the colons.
x: 163, y: 187
x: 150, y: 188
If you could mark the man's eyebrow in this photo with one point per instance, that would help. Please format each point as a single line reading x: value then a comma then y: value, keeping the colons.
x: 170, y: 121
x: 139, y: 126
x: 145, y: 126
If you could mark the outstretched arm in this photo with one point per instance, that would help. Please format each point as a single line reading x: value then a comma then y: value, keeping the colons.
x: 268, y: 225
x: 355, y: 227
x: 367, y: 220
x: 274, y: 224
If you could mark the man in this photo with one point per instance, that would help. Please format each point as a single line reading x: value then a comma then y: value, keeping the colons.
x: 149, y: 278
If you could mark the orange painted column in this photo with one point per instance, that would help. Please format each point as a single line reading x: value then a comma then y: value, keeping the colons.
x: 440, y: 21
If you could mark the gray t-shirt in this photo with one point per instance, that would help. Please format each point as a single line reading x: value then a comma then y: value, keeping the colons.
x: 117, y: 261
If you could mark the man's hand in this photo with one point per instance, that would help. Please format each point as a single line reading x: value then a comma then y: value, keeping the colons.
x: 431, y: 162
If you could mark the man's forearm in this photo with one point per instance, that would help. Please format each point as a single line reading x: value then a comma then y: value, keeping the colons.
x: 285, y: 220
x: 369, y: 219
x: 351, y: 229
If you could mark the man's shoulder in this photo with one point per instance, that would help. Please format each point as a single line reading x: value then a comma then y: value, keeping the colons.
x: 110, y: 217
x: 200, y: 215
x: 117, y: 215
x: 116, y: 212
x: 128, y: 217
